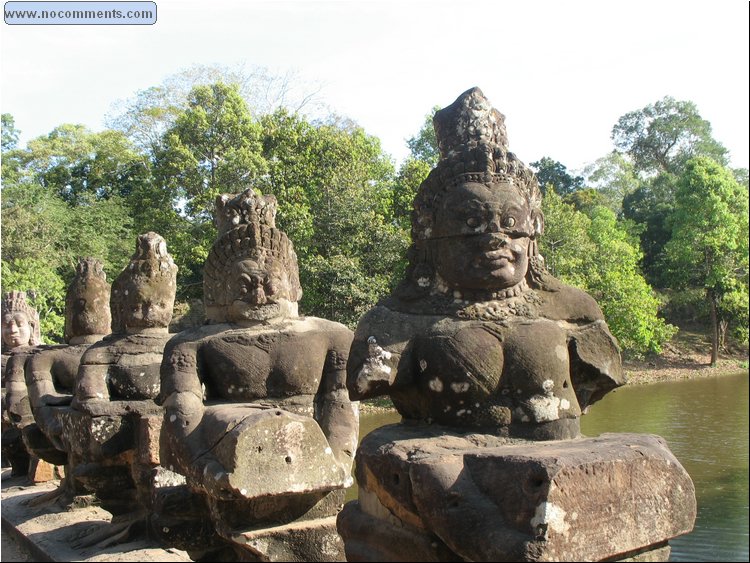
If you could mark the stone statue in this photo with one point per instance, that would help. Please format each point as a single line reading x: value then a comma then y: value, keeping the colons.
x: 480, y: 348
x: 116, y: 384
x: 21, y: 334
x: 20, y: 325
x: 257, y: 415
x: 479, y: 335
x: 50, y: 372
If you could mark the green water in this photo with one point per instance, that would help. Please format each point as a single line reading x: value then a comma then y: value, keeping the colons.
x: 705, y: 423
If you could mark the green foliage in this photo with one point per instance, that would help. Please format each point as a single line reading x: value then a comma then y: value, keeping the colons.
x: 600, y: 256
x: 214, y: 147
x: 614, y: 177
x: 45, y: 291
x: 709, y: 244
x: 423, y: 145
x: 662, y: 136
x: 43, y: 234
x: 566, y: 245
x: 550, y: 172
x: 9, y: 133
x: 334, y: 187
x: 585, y: 199
x: 411, y: 174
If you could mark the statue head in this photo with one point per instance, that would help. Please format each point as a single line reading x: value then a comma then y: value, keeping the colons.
x: 87, y: 314
x: 20, y: 322
x: 478, y: 214
x: 251, y: 272
x: 143, y: 294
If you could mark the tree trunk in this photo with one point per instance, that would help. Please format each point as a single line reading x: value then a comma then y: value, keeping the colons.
x: 714, y: 328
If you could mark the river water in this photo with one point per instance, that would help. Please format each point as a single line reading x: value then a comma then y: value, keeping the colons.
x: 705, y: 423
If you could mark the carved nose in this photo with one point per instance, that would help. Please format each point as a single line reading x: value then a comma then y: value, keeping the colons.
x: 497, y: 240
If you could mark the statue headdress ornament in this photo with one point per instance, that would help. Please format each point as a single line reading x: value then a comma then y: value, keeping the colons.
x: 15, y: 302
x: 247, y: 229
x: 473, y: 146
x: 87, y: 301
x: 151, y: 266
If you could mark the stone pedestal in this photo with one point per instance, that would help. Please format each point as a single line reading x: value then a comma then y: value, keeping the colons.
x: 431, y: 494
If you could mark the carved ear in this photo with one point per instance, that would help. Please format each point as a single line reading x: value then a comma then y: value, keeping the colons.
x: 537, y: 219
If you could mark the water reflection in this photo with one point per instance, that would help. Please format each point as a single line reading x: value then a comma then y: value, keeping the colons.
x: 705, y: 423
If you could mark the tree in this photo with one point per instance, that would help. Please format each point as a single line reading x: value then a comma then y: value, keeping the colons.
x: 662, y: 136
x: 9, y: 133
x: 334, y: 186
x: 213, y: 147
x: 423, y: 145
x: 709, y: 244
x: 614, y: 177
x: 597, y: 254
x: 550, y: 172
x: 145, y: 117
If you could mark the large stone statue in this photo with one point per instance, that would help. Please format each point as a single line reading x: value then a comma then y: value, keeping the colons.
x: 492, y: 361
x: 257, y: 415
x: 50, y: 372
x: 116, y: 384
x: 21, y: 335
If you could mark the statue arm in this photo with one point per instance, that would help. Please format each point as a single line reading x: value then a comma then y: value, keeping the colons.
x: 182, y: 443
x: 336, y: 414
x: 40, y: 382
x: 91, y: 390
x: 43, y: 395
x: 16, y: 397
x: 596, y: 366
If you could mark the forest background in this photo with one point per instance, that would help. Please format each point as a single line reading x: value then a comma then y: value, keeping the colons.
x: 656, y: 230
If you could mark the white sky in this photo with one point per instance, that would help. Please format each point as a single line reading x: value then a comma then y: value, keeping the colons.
x: 562, y: 72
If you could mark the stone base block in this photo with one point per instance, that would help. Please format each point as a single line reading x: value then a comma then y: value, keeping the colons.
x: 437, y: 495
x: 309, y: 540
x: 41, y: 471
x: 273, y: 452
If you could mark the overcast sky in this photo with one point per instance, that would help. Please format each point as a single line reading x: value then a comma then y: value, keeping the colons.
x: 561, y: 72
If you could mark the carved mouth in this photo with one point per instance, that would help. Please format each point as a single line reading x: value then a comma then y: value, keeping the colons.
x: 496, y: 258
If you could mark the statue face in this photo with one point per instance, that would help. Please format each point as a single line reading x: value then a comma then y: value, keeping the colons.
x: 253, y: 283
x: 482, y: 236
x: 149, y: 307
x: 16, y: 329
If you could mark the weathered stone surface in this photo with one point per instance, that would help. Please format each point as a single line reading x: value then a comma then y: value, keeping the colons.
x: 257, y: 415
x: 87, y: 313
x: 479, y: 335
x: 273, y: 452
x: 479, y: 338
x: 311, y: 540
x: 575, y: 500
x: 117, y: 382
x: 20, y: 335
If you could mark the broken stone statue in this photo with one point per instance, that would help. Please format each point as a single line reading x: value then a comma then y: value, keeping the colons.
x: 257, y: 415
x: 21, y: 336
x: 108, y: 430
x: 491, y: 361
x: 50, y: 372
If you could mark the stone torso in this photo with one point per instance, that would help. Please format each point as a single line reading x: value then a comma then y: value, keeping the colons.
x: 254, y: 364
x: 514, y: 363
x: 131, y: 363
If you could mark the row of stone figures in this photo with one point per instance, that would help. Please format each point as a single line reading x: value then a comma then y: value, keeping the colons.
x: 235, y: 440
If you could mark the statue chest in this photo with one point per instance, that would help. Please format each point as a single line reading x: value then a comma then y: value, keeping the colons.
x: 269, y: 365
x: 484, y: 373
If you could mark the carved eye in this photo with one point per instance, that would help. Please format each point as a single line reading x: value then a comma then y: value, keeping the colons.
x: 473, y: 222
x: 509, y: 222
